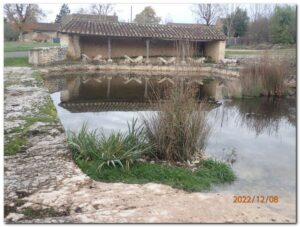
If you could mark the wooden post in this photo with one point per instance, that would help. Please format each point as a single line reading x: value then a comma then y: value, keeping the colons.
x: 147, y: 50
x: 183, y: 52
x: 109, y: 50
x: 108, y: 87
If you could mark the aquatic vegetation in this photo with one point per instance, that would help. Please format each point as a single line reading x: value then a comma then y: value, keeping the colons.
x: 117, y: 149
x: 264, y: 77
x: 179, y: 129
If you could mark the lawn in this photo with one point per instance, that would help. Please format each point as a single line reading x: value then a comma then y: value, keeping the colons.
x: 20, y: 61
x: 245, y: 52
x: 208, y: 173
x: 22, y: 46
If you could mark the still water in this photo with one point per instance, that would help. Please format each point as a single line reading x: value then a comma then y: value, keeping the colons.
x: 260, y: 135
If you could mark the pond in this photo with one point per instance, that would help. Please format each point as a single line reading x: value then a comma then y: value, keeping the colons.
x: 259, y: 133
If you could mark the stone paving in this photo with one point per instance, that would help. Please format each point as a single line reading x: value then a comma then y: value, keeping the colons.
x: 43, y: 177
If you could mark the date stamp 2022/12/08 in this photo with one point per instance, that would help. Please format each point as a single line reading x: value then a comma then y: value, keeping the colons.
x: 274, y: 199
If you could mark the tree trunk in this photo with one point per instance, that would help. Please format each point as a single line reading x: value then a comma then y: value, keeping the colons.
x: 21, y: 37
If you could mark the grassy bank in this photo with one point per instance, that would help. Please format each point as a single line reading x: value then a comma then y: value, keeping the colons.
x: 22, y: 46
x: 208, y: 173
x: 246, y: 52
x: 20, y: 61
x: 117, y: 158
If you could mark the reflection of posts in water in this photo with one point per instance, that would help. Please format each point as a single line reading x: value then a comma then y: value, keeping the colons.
x: 146, y: 87
x: 108, y: 87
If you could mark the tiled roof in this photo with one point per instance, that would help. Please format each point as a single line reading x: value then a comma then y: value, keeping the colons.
x: 107, y: 18
x: 170, y: 31
x: 45, y: 27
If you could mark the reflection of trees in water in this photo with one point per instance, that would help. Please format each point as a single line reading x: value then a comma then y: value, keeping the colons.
x: 265, y: 114
x: 259, y: 114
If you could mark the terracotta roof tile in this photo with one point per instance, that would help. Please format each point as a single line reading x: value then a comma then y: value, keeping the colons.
x: 120, y: 29
x: 45, y: 27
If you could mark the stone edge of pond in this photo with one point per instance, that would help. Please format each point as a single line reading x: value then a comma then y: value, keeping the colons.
x: 221, y: 71
x: 35, y: 143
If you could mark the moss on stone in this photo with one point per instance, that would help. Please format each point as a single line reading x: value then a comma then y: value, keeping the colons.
x: 14, y: 145
x: 38, y: 77
x: 45, y: 113
x: 43, y: 213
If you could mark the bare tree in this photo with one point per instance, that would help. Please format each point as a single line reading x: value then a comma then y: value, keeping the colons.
x: 207, y: 12
x: 101, y: 9
x: 259, y: 11
x: 83, y: 11
x: 168, y: 19
x: 22, y: 16
x: 229, y: 10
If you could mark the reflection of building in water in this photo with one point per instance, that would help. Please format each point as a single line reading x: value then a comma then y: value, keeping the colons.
x: 81, y: 107
x: 132, y: 88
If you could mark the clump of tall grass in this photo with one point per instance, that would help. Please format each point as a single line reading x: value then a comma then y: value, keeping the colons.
x: 264, y: 77
x: 179, y: 128
x: 117, y: 149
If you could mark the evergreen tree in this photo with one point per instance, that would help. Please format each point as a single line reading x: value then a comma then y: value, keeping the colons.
x: 283, y: 25
x: 64, y: 10
x: 240, y: 22
x: 147, y: 16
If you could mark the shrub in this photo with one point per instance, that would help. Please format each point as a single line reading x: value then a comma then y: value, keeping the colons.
x: 264, y: 77
x: 116, y: 149
x: 179, y: 129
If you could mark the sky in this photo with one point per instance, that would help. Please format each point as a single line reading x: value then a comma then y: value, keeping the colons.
x: 180, y: 13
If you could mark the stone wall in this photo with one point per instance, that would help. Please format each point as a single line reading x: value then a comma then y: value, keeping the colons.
x: 71, y: 42
x: 92, y: 46
x: 216, y: 50
x: 47, y: 55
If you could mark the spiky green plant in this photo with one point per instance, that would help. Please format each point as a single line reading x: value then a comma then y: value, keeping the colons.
x: 117, y: 149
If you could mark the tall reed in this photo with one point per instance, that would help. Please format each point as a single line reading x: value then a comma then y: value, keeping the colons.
x: 179, y: 129
x: 264, y: 77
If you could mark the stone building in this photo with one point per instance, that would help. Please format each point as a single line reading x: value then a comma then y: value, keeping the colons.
x: 42, y: 32
x: 92, y: 36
